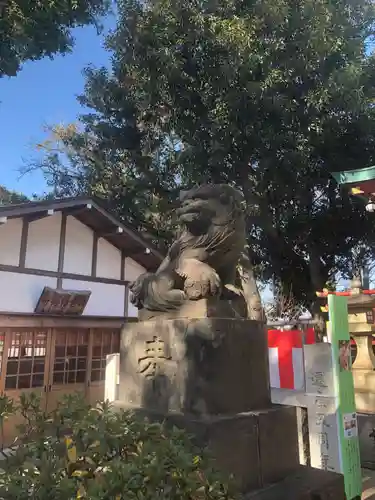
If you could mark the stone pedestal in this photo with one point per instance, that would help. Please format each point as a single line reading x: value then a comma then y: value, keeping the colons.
x: 205, y: 366
x: 259, y: 447
x: 210, y: 375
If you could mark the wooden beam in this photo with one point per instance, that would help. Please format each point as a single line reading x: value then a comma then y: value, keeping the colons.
x: 126, y: 300
x: 63, y: 276
x: 40, y: 215
x: 23, y: 247
x: 111, y: 232
x: 28, y: 320
x: 131, y: 232
x: 60, y: 265
x: 34, y: 207
x: 94, y: 258
x: 78, y: 210
x: 122, y: 270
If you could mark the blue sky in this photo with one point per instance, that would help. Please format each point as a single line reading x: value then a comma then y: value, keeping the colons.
x: 44, y: 92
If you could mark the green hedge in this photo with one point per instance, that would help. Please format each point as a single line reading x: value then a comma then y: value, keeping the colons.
x: 79, y: 451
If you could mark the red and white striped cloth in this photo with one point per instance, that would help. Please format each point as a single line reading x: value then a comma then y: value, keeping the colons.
x: 285, y: 352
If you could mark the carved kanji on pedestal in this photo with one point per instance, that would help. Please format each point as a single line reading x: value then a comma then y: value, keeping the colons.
x: 151, y: 364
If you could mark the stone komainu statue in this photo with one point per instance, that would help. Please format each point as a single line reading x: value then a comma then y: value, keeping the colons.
x: 203, y: 261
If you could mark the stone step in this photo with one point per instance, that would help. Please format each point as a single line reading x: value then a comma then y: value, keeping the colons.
x: 306, y: 483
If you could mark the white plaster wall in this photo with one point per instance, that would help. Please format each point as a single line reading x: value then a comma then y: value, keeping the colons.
x: 108, y: 264
x: 105, y: 300
x: 78, y: 247
x: 20, y: 292
x: 10, y: 242
x: 43, y: 243
x: 132, y: 269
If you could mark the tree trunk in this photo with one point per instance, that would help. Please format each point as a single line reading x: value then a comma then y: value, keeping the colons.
x: 365, y: 277
x: 317, y: 282
x: 250, y: 288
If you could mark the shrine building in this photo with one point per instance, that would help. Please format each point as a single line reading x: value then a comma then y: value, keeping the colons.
x: 65, y: 266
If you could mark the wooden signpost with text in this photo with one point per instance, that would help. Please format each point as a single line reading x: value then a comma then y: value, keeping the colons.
x: 328, y: 396
x: 346, y: 416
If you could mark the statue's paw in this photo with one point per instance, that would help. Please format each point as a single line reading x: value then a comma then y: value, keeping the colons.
x: 137, y: 286
x: 140, y: 289
x: 195, y: 291
x: 177, y: 296
x: 136, y: 292
x: 202, y: 282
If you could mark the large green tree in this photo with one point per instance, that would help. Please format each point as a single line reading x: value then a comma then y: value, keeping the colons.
x: 268, y: 95
x: 32, y: 29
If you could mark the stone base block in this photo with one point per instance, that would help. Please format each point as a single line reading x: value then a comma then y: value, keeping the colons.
x: 258, y: 447
x: 204, y: 366
x: 304, y: 484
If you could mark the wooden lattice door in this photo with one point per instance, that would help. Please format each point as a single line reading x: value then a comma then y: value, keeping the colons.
x: 103, y: 342
x: 25, y: 370
x: 69, y: 361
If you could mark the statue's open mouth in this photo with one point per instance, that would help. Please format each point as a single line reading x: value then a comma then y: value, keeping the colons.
x: 188, y: 215
x: 192, y: 206
x: 195, y: 215
x: 189, y: 210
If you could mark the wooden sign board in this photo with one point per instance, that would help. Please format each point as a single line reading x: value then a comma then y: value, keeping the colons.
x: 319, y: 370
x: 329, y: 399
x: 322, y: 408
x: 64, y: 302
x: 346, y: 417
x: 323, y: 433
